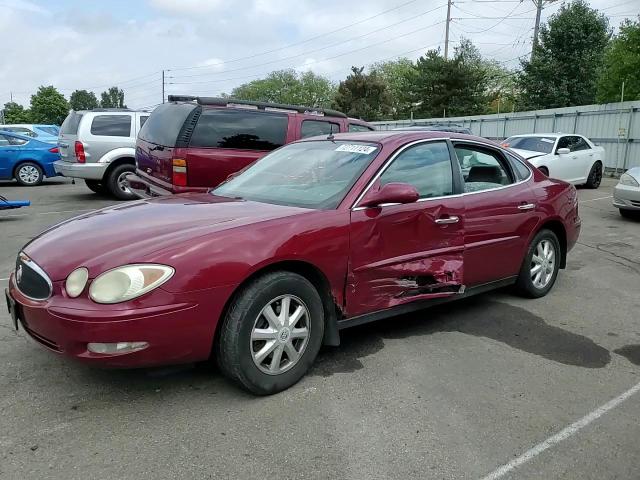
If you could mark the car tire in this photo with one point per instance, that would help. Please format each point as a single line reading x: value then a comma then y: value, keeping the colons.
x: 95, y: 186
x: 595, y: 176
x: 29, y: 174
x: 254, y: 349
x: 544, y: 170
x: 114, y: 182
x: 540, y: 268
x: 632, y: 214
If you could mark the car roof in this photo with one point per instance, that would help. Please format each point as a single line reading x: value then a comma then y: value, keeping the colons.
x: 554, y: 135
x: 400, y: 137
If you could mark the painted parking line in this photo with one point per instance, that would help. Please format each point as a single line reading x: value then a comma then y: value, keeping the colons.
x: 561, y: 435
x: 595, y: 199
x: 4, y: 279
x: 48, y: 213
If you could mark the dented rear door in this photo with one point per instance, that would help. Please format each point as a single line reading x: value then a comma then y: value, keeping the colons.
x: 405, y: 253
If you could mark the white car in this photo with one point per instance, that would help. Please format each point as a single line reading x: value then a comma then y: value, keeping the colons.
x: 572, y: 158
x: 626, y: 195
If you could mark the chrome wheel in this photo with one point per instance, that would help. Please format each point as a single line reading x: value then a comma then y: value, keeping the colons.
x: 543, y: 264
x: 29, y: 174
x: 280, y: 334
x: 121, y: 181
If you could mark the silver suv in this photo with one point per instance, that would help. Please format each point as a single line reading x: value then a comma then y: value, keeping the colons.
x: 99, y: 147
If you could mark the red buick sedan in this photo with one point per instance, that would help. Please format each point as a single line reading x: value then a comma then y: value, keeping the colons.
x: 319, y: 235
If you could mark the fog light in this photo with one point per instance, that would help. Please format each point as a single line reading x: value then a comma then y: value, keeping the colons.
x: 120, y: 347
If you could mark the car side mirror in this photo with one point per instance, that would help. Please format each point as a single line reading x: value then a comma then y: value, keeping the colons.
x: 563, y: 151
x: 391, y: 193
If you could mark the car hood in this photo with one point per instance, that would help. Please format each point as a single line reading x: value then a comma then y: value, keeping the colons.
x: 127, y: 233
x: 528, y: 154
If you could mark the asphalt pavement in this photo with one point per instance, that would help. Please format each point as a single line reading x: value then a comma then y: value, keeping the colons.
x: 491, y: 387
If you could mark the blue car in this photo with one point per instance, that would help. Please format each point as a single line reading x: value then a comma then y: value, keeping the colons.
x: 26, y: 159
x: 44, y: 133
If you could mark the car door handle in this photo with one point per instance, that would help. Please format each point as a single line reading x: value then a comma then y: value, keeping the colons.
x: 527, y: 206
x: 447, y: 220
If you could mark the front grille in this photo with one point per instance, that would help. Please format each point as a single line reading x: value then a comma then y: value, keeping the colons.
x: 31, y: 280
x: 42, y: 340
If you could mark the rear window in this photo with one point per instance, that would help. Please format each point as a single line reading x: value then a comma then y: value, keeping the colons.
x: 165, y: 123
x: 70, y: 124
x: 53, y: 131
x: 354, y: 127
x: 111, y: 125
x: 533, y: 144
x: 240, y: 130
x: 312, y: 128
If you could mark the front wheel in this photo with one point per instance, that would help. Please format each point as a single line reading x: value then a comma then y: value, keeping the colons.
x: 29, y: 174
x: 271, y: 333
x: 116, y: 182
x: 540, y: 267
x: 632, y: 214
x: 595, y: 176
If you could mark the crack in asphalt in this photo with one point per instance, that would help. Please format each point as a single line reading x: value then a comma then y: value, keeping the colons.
x: 622, y: 257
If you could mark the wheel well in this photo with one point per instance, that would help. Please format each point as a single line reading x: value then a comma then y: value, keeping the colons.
x: 118, y: 161
x: 22, y: 162
x: 543, y: 169
x: 557, y: 227
x: 318, y: 280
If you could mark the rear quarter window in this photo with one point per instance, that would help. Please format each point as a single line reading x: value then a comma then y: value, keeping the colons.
x: 354, y: 127
x: 165, y: 123
x: 111, y: 125
x: 229, y: 128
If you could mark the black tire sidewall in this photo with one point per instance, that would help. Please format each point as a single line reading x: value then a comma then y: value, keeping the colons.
x: 238, y: 362
x: 591, y: 182
x: 94, y: 185
x: 525, y: 283
x: 112, y: 182
x: 30, y: 164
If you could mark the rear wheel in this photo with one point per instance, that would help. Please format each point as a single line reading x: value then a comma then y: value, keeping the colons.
x: 595, y: 176
x: 272, y: 333
x: 540, y: 267
x: 116, y: 182
x: 95, y: 186
x: 29, y: 174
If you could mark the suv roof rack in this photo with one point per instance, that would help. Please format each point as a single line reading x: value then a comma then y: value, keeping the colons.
x: 269, y: 107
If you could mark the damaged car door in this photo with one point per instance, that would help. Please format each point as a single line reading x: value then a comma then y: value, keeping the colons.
x: 401, y: 253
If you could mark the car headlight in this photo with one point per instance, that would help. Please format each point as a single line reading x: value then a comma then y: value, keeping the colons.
x: 76, y: 281
x: 626, y: 179
x: 127, y: 282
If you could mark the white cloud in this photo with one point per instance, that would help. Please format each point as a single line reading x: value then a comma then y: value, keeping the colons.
x: 187, y: 7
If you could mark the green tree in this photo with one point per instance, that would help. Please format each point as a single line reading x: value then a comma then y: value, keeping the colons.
x: 502, y: 91
x: 288, y: 86
x: 364, y: 96
x: 400, y: 76
x: 48, y: 106
x: 83, y: 100
x: 565, y: 64
x: 15, y: 113
x: 112, y: 98
x: 457, y: 86
x: 621, y: 64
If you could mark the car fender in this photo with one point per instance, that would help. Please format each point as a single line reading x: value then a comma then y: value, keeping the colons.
x: 116, y: 153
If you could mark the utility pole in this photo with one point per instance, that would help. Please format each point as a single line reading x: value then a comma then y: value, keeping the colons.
x: 539, y: 6
x: 446, y: 34
x: 162, y: 86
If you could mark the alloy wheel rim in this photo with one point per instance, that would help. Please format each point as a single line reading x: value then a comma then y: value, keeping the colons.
x: 122, y: 182
x: 543, y: 264
x: 29, y: 174
x: 280, y: 334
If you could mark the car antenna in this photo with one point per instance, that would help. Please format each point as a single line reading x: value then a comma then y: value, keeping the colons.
x: 331, y: 137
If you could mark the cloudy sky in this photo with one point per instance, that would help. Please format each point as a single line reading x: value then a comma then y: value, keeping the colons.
x: 210, y: 46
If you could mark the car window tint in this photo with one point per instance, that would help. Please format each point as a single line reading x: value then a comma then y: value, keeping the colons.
x: 534, y: 144
x: 228, y: 128
x: 580, y: 144
x: 354, y: 127
x: 71, y: 123
x: 520, y: 169
x: 482, y: 169
x: 167, y: 122
x: 16, y: 141
x: 312, y: 128
x: 4, y: 140
x: 143, y: 119
x: 111, y: 125
x: 53, y: 131
x: 427, y: 167
x: 564, y: 142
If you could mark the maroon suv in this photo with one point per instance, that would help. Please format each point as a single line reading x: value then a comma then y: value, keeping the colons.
x: 194, y: 143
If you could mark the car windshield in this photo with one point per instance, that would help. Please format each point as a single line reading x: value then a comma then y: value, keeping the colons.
x: 315, y: 174
x: 534, y: 144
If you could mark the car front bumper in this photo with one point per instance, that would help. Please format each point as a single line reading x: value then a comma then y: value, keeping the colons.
x: 626, y: 197
x: 177, y: 329
x: 88, y: 171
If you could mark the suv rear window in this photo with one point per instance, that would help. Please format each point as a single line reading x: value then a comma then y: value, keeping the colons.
x: 242, y: 130
x: 312, y: 128
x: 165, y: 123
x: 111, y: 125
x: 70, y: 124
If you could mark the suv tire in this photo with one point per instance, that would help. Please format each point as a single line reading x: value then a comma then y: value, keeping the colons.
x: 114, y: 179
x: 29, y: 174
x: 95, y: 186
x: 540, y: 266
x: 291, y: 340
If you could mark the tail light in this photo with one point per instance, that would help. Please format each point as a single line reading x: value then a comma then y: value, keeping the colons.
x: 54, y: 150
x: 504, y: 144
x: 179, y: 172
x: 80, y: 156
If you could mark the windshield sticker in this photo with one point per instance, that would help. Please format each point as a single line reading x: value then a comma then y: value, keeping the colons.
x: 547, y: 140
x: 350, y: 147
